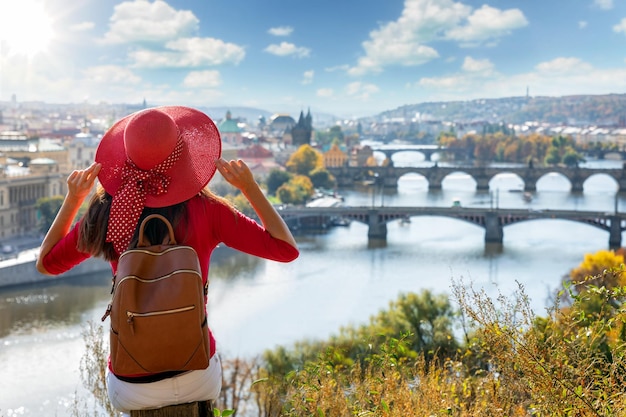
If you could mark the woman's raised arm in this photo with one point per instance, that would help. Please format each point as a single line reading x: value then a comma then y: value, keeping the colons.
x: 79, y: 184
x: 238, y: 174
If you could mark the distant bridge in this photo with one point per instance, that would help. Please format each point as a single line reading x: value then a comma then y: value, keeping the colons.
x: 427, y: 150
x: 464, y: 153
x: 389, y: 175
x: 493, y: 221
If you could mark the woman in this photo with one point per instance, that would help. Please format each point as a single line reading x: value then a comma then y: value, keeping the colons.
x: 160, y: 160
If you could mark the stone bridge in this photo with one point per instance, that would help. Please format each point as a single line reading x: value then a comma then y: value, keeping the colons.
x: 388, y: 176
x: 427, y: 150
x: 493, y: 221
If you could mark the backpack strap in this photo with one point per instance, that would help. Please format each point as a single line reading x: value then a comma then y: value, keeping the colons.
x: 142, y: 242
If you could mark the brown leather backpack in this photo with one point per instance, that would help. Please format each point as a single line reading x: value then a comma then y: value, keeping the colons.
x: 158, y: 319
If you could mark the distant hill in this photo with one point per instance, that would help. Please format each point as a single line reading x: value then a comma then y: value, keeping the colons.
x: 579, y: 110
x: 251, y: 115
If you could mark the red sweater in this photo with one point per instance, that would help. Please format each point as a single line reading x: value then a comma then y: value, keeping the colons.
x: 207, y: 224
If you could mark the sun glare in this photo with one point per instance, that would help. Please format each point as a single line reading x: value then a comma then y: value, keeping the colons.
x: 25, y: 27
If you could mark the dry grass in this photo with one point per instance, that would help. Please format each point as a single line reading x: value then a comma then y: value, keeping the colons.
x: 513, y: 363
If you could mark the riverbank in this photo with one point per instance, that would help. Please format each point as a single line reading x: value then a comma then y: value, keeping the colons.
x: 20, y: 269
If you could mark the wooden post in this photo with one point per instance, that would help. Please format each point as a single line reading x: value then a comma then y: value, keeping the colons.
x: 195, y: 409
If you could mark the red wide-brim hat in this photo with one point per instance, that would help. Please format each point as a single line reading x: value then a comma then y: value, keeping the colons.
x: 146, y: 138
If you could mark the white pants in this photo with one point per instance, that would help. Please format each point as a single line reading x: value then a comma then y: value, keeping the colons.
x: 191, y: 386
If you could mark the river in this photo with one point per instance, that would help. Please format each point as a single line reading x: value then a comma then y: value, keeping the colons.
x: 339, y: 279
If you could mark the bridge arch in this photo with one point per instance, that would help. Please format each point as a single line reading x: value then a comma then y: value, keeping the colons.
x: 459, y: 180
x: 507, y: 181
x: 413, y: 181
x: 600, y: 182
x: 555, y: 181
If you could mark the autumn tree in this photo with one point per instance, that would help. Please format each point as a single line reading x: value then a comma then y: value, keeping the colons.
x: 296, y: 191
x: 593, y: 270
x: 304, y: 160
x: 596, y: 276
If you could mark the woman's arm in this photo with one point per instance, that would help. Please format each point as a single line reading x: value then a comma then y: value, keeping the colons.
x: 239, y: 175
x: 79, y: 184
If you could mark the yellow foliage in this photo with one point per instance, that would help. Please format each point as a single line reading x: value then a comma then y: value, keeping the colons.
x: 590, y: 271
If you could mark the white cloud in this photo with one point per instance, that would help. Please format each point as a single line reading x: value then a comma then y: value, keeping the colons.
x: 603, y: 4
x: 620, y: 27
x: 483, y: 66
x: 582, y: 24
x: 307, y: 77
x: 110, y: 75
x: 281, y: 31
x: 286, y: 48
x: 488, y: 23
x: 405, y: 41
x: 189, y: 52
x: 560, y: 66
x: 360, y: 90
x: 325, y: 92
x: 82, y: 27
x: 143, y: 21
x: 202, y: 79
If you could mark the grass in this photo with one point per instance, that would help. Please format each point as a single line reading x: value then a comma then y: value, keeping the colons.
x: 512, y: 363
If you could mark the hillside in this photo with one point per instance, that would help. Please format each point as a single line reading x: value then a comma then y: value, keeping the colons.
x: 580, y: 110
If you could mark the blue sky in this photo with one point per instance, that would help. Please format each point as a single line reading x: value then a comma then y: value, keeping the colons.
x: 345, y: 57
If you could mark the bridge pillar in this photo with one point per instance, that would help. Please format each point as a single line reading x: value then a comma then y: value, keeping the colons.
x: 577, y: 185
x: 615, y: 236
x: 377, y: 227
x: 530, y: 185
x: 493, y: 228
x: 482, y: 183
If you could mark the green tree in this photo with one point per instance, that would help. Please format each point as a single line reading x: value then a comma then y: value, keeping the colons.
x: 571, y: 157
x: 553, y: 156
x: 304, y: 160
x: 275, y: 179
x: 335, y: 132
x: 47, y: 208
x: 321, y: 178
x: 426, y: 317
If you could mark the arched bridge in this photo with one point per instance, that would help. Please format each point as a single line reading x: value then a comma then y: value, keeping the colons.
x: 427, y: 150
x: 389, y: 175
x: 493, y: 221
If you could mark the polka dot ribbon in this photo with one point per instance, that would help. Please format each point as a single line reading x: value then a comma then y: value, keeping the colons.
x: 129, y: 200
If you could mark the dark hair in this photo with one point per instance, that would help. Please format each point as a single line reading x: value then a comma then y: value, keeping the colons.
x: 93, y: 228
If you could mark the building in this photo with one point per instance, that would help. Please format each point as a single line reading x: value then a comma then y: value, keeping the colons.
x: 281, y: 123
x: 20, y: 188
x: 335, y: 157
x: 230, y: 130
x: 82, y: 150
x: 361, y: 156
x: 302, y: 131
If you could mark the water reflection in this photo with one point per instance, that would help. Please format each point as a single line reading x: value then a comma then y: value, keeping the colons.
x: 228, y: 264
x: 32, y: 308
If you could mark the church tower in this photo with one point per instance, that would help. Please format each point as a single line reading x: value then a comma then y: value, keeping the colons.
x: 301, y: 133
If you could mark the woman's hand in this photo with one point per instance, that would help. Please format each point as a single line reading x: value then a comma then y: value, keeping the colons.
x: 80, y: 182
x: 237, y: 173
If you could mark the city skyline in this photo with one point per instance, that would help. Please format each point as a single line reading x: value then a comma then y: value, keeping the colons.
x: 350, y: 58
